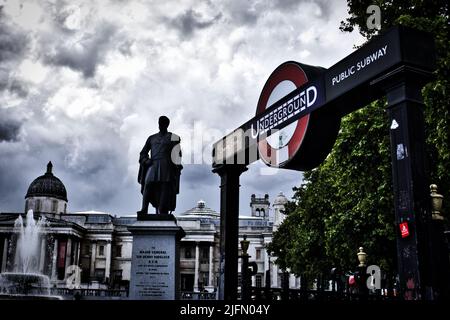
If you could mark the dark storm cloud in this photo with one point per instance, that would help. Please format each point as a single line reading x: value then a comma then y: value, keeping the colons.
x: 92, y: 171
x: 98, y: 174
x: 190, y: 21
x: 19, y: 166
x: 7, y: 82
x: 197, y: 176
x: 245, y: 17
x: 12, y: 43
x: 13, y: 186
x: 13, y: 46
x: 86, y: 54
x: 9, y: 126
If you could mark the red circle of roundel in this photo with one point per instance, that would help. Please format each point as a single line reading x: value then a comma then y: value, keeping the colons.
x: 292, y: 72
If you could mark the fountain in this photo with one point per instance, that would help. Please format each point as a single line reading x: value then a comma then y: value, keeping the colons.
x: 25, y: 281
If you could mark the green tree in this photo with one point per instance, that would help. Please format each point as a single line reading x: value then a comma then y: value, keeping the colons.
x: 347, y: 201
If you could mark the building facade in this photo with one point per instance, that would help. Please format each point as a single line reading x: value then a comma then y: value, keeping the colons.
x: 99, y: 245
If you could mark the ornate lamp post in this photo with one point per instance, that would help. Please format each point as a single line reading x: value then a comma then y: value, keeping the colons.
x: 248, y: 269
x: 441, y: 264
x: 245, y: 282
x: 244, y: 245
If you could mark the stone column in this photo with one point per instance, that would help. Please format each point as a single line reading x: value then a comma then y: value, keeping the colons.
x: 196, y: 274
x: 211, y: 267
x: 266, y: 265
x: 5, y: 254
x: 68, y: 260
x: 54, y: 259
x: 42, y: 257
x: 108, y: 260
x: 78, y: 253
x: 274, y: 276
x: 93, y: 255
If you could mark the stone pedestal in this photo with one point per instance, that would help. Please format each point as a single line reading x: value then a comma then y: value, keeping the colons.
x: 155, y: 258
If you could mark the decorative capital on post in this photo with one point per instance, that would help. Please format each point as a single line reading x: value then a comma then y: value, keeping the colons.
x: 229, y: 168
x: 362, y: 256
x: 244, y: 245
x: 436, y: 203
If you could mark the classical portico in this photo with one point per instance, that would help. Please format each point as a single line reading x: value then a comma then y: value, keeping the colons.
x: 198, y: 260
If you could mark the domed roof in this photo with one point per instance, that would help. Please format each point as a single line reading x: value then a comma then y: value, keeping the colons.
x: 280, y: 199
x: 201, y: 209
x: 47, y: 185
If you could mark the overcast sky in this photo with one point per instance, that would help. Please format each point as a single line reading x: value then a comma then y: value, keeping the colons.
x: 82, y: 83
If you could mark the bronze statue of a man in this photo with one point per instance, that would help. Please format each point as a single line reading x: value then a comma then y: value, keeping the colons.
x: 159, y: 173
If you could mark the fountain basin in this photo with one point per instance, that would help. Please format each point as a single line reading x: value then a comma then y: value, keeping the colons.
x: 25, y: 286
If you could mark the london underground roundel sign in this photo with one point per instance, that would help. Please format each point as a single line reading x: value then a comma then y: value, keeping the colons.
x: 304, y: 143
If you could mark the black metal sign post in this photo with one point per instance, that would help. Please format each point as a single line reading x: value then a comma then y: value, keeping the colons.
x: 229, y: 229
x: 410, y: 180
x: 396, y: 64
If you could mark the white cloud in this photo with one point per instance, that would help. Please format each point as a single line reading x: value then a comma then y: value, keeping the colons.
x: 32, y: 71
x: 79, y: 103
x: 26, y: 14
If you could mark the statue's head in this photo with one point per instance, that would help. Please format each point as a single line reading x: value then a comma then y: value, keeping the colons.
x: 163, y: 123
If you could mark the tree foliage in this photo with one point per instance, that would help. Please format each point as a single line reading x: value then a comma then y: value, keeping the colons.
x: 347, y: 201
